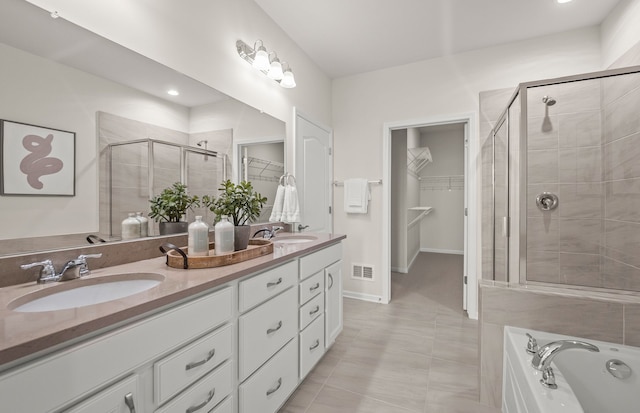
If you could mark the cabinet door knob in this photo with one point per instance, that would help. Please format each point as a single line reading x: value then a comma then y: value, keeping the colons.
x: 331, y: 279
x: 275, y: 389
x: 273, y: 330
x: 195, y: 364
x: 274, y: 283
x: 128, y: 400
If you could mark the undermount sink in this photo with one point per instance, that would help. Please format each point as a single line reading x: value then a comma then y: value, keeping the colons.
x: 81, y: 293
x: 294, y: 239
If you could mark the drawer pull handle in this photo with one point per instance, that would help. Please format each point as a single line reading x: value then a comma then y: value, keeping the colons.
x: 128, y: 400
x: 274, y: 283
x: 204, y: 403
x: 315, y: 345
x: 315, y: 310
x: 273, y: 330
x: 275, y: 389
x: 315, y: 287
x: 195, y: 364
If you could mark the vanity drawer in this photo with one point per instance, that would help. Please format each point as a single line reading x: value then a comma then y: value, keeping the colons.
x: 224, y: 407
x: 312, y: 263
x: 260, y: 288
x: 264, y: 330
x: 205, y: 394
x: 266, y: 390
x: 311, y: 310
x: 311, y: 346
x: 176, y: 371
x: 311, y: 287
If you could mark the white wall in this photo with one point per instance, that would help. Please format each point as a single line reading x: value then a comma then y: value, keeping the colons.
x: 620, y: 31
x: 427, y: 89
x: 443, y: 229
x: 41, y: 92
x: 197, y: 38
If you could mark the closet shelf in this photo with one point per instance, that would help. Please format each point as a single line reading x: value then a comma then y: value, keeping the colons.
x: 424, y: 211
x: 418, y: 158
x: 263, y: 169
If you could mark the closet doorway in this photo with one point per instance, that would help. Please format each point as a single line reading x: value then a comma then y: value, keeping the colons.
x: 428, y: 167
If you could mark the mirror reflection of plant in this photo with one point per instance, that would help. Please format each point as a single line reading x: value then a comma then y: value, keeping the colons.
x: 241, y: 203
x: 172, y: 203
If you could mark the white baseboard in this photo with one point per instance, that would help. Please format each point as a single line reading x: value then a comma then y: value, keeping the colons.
x: 363, y: 297
x: 458, y: 252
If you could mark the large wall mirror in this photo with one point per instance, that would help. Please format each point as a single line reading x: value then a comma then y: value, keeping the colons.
x: 57, y: 76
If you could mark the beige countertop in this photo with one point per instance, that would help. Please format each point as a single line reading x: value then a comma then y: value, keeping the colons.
x: 24, y: 334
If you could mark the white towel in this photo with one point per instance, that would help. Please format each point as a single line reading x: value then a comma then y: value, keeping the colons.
x: 278, y: 204
x: 291, y: 208
x: 356, y: 195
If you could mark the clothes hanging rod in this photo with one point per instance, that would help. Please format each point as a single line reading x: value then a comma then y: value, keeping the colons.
x: 377, y: 182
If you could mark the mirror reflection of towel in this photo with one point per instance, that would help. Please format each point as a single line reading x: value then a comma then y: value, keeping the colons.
x: 278, y: 203
x: 356, y: 195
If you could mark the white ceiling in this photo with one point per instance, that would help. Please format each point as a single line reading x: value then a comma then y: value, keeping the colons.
x: 346, y: 37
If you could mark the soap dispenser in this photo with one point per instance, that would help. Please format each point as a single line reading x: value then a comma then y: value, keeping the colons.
x: 224, y: 236
x: 198, y: 240
x: 130, y: 227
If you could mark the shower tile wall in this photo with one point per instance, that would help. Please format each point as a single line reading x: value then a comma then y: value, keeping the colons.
x: 565, y: 157
x: 620, y: 258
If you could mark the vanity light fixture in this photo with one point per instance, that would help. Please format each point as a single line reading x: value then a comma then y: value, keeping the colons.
x: 267, y: 62
x: 563, y: 1
x: 173, y: 92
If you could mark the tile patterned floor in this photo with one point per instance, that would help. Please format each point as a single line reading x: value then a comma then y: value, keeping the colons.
x: 417, y: 354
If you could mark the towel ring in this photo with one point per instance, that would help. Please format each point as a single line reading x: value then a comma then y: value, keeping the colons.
x: 286, y: 177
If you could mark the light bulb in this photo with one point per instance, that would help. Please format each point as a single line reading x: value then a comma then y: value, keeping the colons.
x: 288, y: 81
x: 261, y: 59
x: 275, y: 71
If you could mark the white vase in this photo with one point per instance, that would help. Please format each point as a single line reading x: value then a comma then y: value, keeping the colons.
x: 198, y: 239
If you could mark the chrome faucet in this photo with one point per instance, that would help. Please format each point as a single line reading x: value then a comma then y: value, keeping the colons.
x: 543, y: 358
x: 268, y: 233
x: 72, y: 269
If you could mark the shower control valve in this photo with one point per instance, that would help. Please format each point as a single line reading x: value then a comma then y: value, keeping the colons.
x: 547, y: 201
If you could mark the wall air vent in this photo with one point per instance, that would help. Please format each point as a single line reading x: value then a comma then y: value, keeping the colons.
x: 362, y: 272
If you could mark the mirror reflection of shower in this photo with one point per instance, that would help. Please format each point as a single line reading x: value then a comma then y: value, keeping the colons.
x: 546, y: 122
x: 204, y: 143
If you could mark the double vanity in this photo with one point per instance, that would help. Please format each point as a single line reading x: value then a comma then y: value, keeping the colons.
x: 150, y: 338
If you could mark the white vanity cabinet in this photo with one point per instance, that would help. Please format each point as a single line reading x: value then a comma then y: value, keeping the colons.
x: 242, y: 347
x: 62, y: 379
x: 320, y: 304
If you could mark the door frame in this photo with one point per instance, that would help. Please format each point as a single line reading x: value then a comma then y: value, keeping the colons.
x: 470, y: 179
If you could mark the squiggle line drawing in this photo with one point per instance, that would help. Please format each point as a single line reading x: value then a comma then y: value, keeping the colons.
x: 36, y: 164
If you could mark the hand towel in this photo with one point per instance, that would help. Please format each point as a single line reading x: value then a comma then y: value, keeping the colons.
x: 278, y: 204
x: 356, y: 195
x: 291, y: 208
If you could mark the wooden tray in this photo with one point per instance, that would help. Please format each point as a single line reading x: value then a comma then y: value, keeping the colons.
x: 257, y: 248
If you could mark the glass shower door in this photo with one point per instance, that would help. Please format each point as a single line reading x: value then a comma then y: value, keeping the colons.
x: 500, y: 201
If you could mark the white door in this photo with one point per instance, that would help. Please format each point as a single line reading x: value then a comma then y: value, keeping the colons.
x: 314, y: 174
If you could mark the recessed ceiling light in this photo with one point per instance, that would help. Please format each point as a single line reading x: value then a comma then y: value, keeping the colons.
x: 563, y: 1
x: 173, y: 92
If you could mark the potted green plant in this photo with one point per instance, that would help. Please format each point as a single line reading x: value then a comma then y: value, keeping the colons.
x: 241, y: 203
x: 170, y: 206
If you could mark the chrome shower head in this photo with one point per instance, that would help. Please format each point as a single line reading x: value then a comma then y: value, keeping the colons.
x: 548, y: 100
x: 201, y: 142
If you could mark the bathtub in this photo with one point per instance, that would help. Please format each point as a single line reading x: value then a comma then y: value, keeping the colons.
x: 584, y: 383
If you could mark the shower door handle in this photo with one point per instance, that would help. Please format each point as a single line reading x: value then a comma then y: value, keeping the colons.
x: 505, y: 227
x: 547, y: 201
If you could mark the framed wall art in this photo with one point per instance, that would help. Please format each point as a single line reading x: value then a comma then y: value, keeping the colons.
x: 36, y: 160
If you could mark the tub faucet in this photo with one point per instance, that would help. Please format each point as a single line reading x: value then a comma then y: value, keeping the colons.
x: 543, y: 358
x: 268, y: 233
